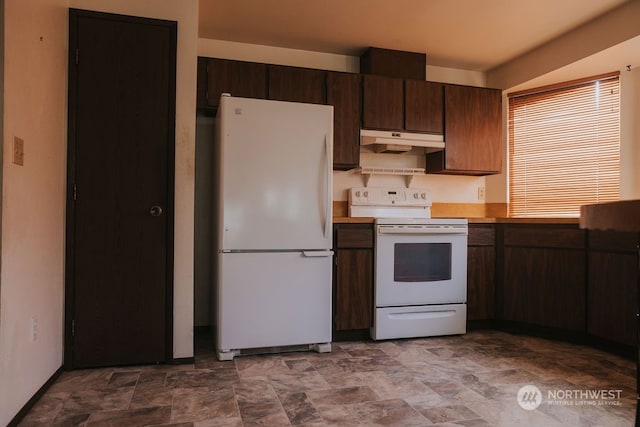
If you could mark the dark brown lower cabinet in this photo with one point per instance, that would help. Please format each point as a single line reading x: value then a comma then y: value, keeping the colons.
x: 612, y: 286
x: 481, y: 272
x: 544, y: 281
x: 353, y: 277
x: 354, y: 286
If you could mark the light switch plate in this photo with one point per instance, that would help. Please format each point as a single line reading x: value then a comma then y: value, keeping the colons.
x: 18, y: 151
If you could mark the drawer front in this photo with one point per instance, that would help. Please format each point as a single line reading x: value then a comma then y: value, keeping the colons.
x: 419, y: 321
x: 355, y: 236
x: 482, y: 235
x: 545, y: 237
x: 615, y: 241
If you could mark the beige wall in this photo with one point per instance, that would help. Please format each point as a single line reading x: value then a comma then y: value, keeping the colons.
x: 33, y: 199
x: 33, y: 195
x: 608, y: 43
x: 608, y: 30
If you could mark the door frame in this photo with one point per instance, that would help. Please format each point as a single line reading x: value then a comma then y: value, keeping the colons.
x: 72, y: 107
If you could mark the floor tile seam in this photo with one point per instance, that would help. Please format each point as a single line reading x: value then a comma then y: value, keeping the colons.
x: 307, y: 398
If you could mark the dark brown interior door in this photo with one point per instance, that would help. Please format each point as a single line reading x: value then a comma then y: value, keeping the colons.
x: 120, y: 216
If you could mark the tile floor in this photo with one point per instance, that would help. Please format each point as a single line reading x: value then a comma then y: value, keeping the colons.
x: 469, y: 380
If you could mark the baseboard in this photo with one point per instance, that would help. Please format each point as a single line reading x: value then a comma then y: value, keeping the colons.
x: 475, y: 325
x: 351, y: 335
x: 41, y: 391
x: 204, y: 329
x: 182, y: 361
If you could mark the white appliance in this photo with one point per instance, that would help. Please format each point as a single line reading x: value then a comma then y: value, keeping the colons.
x: 398, y: 142
x: 420, y: 264
x: 274, y: 226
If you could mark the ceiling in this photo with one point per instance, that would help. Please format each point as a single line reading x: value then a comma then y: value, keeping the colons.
x: 468, y: 34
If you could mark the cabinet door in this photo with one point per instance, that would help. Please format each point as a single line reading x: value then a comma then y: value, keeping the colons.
x: 481, y: 272
x: 473, y: 122
x: 544, y: 276
x: 353, y: 277
x: 612, y: 286
x: 238, y: 78
x: 344, y: 93
x: 296, y: 84
x: 423, y: 106
x: 353, y: 306
x: 383, y: 101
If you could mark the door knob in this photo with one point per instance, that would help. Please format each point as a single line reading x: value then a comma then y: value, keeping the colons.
x: 155, y: 210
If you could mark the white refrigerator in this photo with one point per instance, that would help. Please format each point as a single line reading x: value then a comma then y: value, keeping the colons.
x: 274, y: 228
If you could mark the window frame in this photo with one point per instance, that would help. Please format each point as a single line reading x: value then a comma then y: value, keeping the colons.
x: 519, y: 117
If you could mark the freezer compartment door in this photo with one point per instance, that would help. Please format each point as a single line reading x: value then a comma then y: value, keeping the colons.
x: 273, y: 299
x: 419, y: 321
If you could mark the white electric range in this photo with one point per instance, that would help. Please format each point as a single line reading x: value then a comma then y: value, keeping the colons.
x: 420, y: 264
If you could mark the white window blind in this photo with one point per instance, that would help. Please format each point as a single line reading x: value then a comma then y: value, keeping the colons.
x: 564, y: 147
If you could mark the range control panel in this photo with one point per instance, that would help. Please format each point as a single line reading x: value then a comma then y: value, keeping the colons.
x: 386, y: 197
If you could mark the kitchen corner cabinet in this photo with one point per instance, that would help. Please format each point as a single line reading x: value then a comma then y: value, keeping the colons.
x: 383, y: 100
x: 612, y: 291
x: 544, y: 280
x: 423, y: 106
x: 238, y: 78
x: 473, y: 132
x: 344, y: 92
x: 481, y: 272
x: 353, y: 277
x: 296, y: 84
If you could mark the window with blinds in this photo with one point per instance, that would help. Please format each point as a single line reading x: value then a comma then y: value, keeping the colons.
x: 564, y: 147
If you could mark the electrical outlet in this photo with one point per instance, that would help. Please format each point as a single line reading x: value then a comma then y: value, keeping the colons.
x: 481, y: 195
x: 34, y: 329
x: 18, y: 151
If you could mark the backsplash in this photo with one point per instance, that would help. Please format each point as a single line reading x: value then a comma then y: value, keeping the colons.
x: 443, y: 188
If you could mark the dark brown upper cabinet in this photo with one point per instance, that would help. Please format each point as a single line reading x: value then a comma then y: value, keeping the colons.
x: 394, y: 63
x: 296, y: 84
x: 344, y: 92
x: 383, y: 102
x: 238, y: 78
x: 472, y: 129
x: 423, y: 106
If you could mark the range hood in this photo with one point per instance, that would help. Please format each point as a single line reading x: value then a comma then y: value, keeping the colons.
x: 400, y: 142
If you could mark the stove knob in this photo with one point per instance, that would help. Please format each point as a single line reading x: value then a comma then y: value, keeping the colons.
x: 357, y: 194
x: 424, y: 196
x: 366, y: 194
x: 415, y: 195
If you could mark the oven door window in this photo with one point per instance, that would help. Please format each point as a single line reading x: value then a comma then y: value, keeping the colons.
x: 421, y: 262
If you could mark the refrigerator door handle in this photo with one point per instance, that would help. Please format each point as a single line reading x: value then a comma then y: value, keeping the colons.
x: 317, y: 254
x: 328, y: 146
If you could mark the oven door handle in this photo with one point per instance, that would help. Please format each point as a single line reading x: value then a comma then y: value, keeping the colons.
x: 390, y: 230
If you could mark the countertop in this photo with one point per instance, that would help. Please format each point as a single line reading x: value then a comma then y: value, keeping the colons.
x: 619, y: 216
x: 369, y: 220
